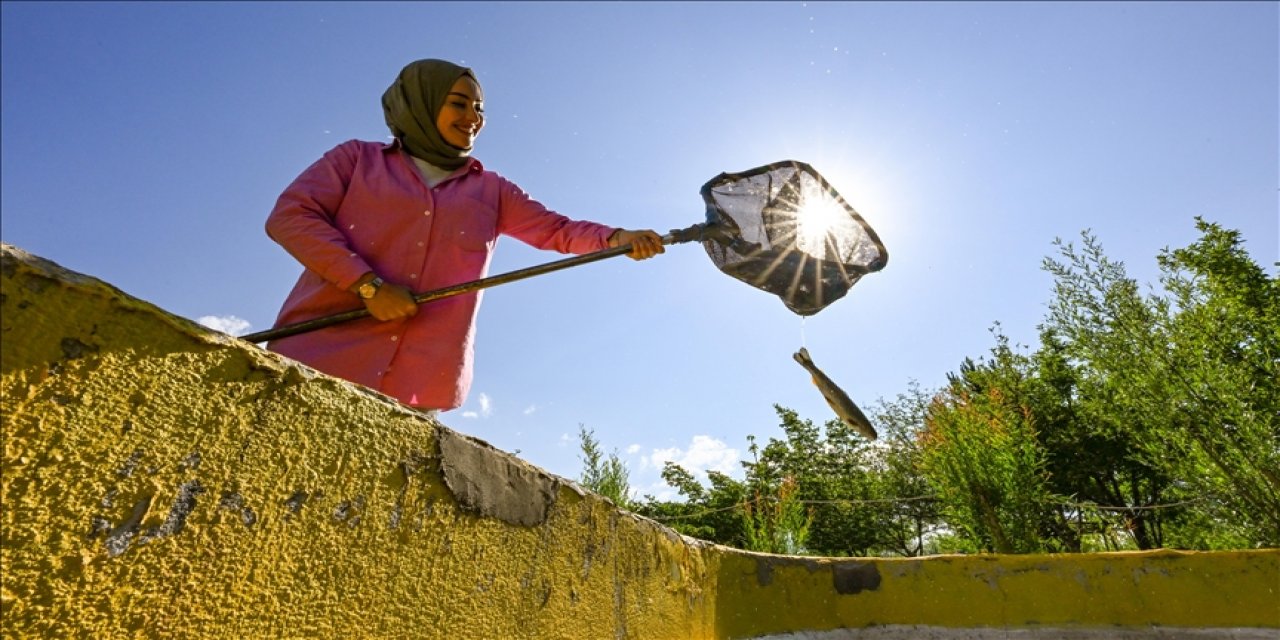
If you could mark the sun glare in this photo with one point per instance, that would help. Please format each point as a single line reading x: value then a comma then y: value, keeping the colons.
x: 819, y: 216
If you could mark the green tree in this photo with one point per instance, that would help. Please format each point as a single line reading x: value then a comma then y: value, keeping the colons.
x: 609, y: 476
x: 1185, y: 378
x: 1226, y: 335
x: 825, y: 469
x: 833, y: 471
x: 982, y: 456
x: 911, y: 519
x: 1090, y: 459
x: 1139, y: 420
x: 777, y: 523
x: 815, y: 490
x: 708, y: 513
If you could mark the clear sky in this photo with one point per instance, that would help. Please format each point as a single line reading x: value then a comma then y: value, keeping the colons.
x: 145, y: 143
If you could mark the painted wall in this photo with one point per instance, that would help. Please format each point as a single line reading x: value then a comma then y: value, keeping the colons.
x: 164, y: 480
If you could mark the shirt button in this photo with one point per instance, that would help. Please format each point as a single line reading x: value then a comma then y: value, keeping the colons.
x: 413, y: 276
x: 394, y: 338
x: 420, y: 243
x: 427, y: 212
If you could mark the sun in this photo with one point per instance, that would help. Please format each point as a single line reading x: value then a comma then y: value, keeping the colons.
x: 819, y: 218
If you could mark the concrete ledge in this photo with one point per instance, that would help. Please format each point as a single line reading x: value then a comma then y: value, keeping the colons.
x: 164, y: 480
x: 913, y: 632
x: 1153, y: 594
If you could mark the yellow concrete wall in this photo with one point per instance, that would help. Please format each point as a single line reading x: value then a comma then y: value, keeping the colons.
x: 163, y: 480
x: 1142, y: 591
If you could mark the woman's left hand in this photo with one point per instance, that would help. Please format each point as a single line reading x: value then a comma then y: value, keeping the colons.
x: 645, y: 243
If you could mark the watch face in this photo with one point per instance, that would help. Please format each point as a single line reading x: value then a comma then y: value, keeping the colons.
x: 370, y: 288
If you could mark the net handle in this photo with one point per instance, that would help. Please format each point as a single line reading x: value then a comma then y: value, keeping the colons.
x: 675, y: 236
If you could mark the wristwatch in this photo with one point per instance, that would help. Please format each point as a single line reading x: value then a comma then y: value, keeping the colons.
x: 370, y: 288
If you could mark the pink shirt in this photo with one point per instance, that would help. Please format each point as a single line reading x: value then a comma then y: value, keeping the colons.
x: 364, y: 207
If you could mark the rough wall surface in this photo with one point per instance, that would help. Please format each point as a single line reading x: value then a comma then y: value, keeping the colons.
x: 1154, y: 594
x: 164, y: 480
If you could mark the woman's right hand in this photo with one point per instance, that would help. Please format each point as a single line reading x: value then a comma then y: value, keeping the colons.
x: 391, y: 302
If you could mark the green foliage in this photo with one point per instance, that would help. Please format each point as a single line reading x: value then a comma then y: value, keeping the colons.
x: 911, y: 518
x: 706, y: 513
x: 1140, y: 420
x: 608, y: 477
x: 981, y: 454
x: 831, y: 471
x: 777, y: 523
x: 1184, y: 381
x: 1089, y: 458
x: 816, y: 490
x: 1225, y: 343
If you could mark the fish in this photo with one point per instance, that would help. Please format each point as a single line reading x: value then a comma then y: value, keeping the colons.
x: 845, y: 409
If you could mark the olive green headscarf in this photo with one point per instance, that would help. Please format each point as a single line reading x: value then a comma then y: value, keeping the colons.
x: 412, y: 103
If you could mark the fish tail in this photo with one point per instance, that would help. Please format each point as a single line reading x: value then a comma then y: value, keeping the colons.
x: 802, y: 356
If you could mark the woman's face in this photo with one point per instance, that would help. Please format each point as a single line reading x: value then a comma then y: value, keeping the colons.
x: 462, y: 114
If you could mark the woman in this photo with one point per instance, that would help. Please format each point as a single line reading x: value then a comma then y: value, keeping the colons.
x: 375, y: 222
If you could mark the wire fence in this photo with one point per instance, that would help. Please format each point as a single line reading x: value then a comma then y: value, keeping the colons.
x: 1071, y: 505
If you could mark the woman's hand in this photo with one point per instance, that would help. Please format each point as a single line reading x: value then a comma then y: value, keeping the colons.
x: 645, y: 243
x: 390, y: 302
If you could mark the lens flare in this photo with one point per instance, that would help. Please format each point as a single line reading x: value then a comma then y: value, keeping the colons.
x: 818, y: 218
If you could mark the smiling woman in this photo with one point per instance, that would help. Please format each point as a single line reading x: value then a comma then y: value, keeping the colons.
x: 462, y: 114
x: 373, y: 223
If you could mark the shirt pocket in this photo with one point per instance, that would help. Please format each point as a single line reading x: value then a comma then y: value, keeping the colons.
x: 471, y: 225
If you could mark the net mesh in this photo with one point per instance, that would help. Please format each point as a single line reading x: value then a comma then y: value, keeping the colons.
x: 782, y: 228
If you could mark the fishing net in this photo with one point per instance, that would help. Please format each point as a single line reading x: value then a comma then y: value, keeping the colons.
x: 782, y: 228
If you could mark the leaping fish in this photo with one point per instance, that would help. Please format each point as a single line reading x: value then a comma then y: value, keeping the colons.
x: 836, y: 397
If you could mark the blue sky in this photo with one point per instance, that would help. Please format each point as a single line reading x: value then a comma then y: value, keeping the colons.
x: 145, y: 143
